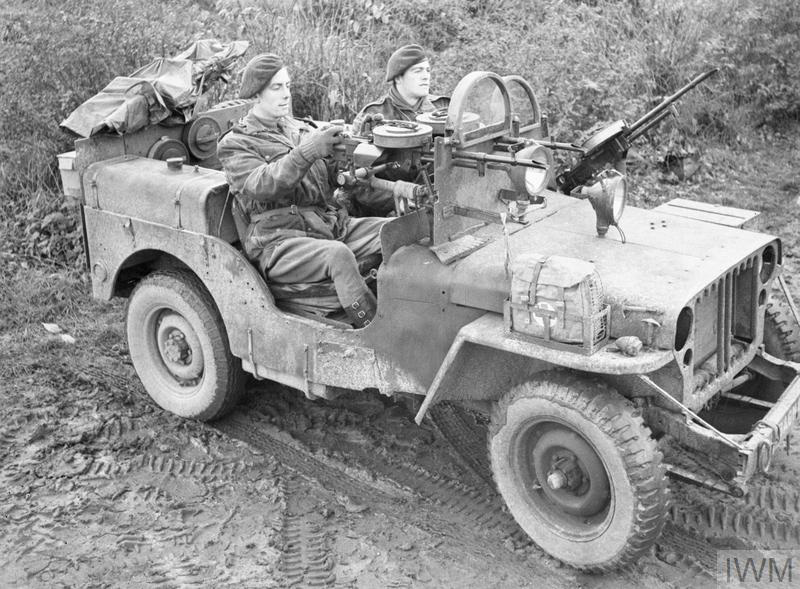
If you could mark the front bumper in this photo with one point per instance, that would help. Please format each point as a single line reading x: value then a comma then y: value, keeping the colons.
x: 757, y: 448
x: 727, y: 461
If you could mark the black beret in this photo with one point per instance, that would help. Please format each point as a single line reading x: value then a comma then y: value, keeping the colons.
x: 402, y: 59
x: 258, y: 72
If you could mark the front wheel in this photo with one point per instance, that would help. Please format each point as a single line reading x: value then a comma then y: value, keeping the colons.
x: 579, y: 471
x: 179, y: 347
x: 781, y: 331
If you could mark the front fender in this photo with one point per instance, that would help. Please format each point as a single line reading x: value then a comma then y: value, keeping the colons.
x: 481, y: 344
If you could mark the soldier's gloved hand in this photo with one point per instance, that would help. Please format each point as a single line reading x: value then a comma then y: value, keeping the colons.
x: 319, y: 143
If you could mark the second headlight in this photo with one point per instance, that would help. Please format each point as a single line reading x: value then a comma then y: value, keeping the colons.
x: 607, y: 194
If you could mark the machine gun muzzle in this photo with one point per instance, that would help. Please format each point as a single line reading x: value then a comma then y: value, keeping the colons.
x: 657, y: 114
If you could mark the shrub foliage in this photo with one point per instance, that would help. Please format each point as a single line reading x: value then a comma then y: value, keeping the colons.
x: 589, y: 61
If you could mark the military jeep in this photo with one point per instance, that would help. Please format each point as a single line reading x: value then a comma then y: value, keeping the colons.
x: 593, y: 336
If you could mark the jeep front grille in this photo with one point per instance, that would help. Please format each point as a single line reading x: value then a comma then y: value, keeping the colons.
x: 725, y: 312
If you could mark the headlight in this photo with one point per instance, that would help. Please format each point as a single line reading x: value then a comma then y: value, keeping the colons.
x: 532, y: 180
x: 607, y: 195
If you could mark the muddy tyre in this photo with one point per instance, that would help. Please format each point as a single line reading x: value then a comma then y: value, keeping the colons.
x: 781, y: 332
x: 579, y: 471
x: 179, y: 347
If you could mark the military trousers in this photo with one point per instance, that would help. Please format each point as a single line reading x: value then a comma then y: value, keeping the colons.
x: 306, y: 259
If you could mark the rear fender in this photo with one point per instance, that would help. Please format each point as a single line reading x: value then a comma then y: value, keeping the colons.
x: 128, y: 243
x: 132, y: 248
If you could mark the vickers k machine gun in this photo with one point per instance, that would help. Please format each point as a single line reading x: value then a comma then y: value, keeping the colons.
x: 610, y: 145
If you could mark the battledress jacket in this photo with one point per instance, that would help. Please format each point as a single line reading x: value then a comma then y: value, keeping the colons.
x: 282, y: 190
x: 393, y: 107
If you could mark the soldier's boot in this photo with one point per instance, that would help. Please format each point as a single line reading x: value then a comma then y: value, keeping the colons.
x: 362, y: 311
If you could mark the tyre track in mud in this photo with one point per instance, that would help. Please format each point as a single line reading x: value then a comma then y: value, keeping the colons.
x: 767, y: 517
x: 392, y: 484
x: 465, y: 436
x: 266, y: 438
x: 150, y: 478
x: 202, y: 471
x: 482, y: 505
x: 170, y: 548
x: 455, y: 501
x: 754, y: 528
x: 306, y: 560
x: 102, y: 469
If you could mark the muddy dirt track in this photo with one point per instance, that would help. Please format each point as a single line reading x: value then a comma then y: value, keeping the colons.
x: 100, y: 488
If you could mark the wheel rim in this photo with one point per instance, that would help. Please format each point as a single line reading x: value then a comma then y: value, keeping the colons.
x: 564, y: 479
x: 175, y: 350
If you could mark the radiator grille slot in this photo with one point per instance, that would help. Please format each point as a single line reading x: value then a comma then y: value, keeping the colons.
x: 725, y: 310
x: 724, y: 322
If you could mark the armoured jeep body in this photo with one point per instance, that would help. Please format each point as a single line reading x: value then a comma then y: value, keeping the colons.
x: 574, y: 423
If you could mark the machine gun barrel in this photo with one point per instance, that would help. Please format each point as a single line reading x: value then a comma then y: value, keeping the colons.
x: 643, y: 124
x: 562, y: 146
x: 499, y: 159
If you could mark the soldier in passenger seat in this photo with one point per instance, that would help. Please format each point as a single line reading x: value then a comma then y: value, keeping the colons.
x: 281, y: 174
x: 409, y: 73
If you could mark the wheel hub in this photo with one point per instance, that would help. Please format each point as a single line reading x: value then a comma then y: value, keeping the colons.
x: 570, y: 473
x: 175, y: 349
x: 556, y: 479
x: 565, y: 473
x: 179, y: 348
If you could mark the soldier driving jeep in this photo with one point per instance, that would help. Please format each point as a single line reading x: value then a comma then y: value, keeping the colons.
x: 280, y: 172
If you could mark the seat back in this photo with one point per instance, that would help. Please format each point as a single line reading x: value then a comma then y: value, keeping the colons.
x: 240, y: 219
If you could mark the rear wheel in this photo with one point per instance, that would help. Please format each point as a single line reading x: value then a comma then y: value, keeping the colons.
x: 579, y: 471
x: 179, y: 347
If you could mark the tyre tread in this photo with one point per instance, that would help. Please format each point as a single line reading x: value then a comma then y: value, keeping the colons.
x: 614, y: 415
x: 780, y: 323
x: 190, y: 288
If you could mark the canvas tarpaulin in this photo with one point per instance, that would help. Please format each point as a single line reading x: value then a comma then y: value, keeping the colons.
x: 173, y: 86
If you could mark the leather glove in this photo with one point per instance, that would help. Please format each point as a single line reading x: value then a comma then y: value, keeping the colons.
x: 319, y: 143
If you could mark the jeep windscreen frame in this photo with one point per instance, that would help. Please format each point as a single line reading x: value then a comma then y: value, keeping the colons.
x: 523, y: 102
x: 479, y: 111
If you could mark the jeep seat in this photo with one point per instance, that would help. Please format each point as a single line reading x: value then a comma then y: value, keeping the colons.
x: 309, y: 298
